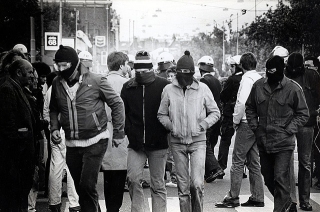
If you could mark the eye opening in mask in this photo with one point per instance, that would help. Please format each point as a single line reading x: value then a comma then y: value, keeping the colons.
x: 185, y: 71
x: 61, y: 66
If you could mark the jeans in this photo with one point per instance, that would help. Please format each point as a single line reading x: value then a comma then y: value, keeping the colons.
x: 211, y: 163
x: 190, y: 183
x: 245, y: 148
x: 157, y: 162
x: 227, y: 132
x: 114, y: 181
x: 275, y: 170
x: 84, y: 164
x: 57, y: 165
x: 304, y: 143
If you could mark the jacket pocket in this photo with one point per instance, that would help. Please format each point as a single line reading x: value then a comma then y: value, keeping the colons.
x: 96, y: 120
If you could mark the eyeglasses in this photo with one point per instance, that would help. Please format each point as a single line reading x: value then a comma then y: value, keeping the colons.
x: 61, y: 66
x: 185, y: 71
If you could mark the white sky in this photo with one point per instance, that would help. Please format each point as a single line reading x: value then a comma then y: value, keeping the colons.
x: 183, y: 16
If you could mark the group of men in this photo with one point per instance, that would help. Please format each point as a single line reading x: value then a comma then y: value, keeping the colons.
x: 114, y: 124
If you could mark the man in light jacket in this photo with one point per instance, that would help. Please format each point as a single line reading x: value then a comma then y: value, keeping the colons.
x: 188, y: 109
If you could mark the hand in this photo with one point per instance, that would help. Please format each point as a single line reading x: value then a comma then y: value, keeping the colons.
x: 235, y: 126
x: 116, y: 142
x: 56, y: 137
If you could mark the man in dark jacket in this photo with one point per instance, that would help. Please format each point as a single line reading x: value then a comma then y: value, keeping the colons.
x: 147, y: 137
x: 228, y: 97
x: 17, y: 147
x: 78, y: 98
x: 275, y: 110
x: 309, y: 80
x: 212, y: 167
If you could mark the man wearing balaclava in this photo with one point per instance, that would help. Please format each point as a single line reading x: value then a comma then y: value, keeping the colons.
x: 309, y: 80
x: 187, y: 110
x: 275, y: 110
x: 147, y: 137
x: 78, y: 106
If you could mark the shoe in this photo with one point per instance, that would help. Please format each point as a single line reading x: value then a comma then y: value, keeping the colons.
x: 293, y: 207
x: 244, y: 175
x: 75, y: 209
x: 145, y: 184
x: 252, y: 203
x: 227, y: 203
x: 220, y: 177
x: 305, y: 206
x: 214, y: 175
x: 171, y: 185
x: 317, y: 185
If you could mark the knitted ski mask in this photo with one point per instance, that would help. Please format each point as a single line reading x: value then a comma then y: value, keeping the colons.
x: 295, y: 66
x: 275, y: 67
x: 185, y: 70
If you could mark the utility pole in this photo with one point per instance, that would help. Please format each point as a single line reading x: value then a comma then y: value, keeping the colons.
x: 223, y: 48
x: 237, y: 37
x: 60, y: 21
x: 42, y: 33
x: 32, y: 41
x: 107, y: 28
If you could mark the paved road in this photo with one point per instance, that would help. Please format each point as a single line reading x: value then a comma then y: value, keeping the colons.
x: 214, y: 192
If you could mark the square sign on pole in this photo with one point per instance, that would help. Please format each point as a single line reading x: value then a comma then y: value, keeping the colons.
x: 52, y: 40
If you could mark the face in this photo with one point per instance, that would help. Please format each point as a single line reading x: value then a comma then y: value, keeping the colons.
x: 33, y: 81
x: 42, y: 79
x: 171, y: 76
x: 124, y: 69
x: 232, y: 68
x: 62, y: 66
x: 25, y: 74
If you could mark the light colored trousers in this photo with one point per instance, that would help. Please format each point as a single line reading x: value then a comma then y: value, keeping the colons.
x: 57, y: 165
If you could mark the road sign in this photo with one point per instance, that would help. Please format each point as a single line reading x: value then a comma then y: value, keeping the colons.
x: 52, y: 40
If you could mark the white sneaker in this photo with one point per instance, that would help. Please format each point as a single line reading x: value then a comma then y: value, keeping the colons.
x: 171, y: 185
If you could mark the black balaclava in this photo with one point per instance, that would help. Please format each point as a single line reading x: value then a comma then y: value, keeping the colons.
x: 275, y: 67
x: 184, y: 79
x: 185, y: 62
x: 295, y: 66
x: 144, y: 78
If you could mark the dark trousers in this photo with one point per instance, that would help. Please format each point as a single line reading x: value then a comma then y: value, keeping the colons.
x: 275, y: 170
x: 84, y: 164
x: 227, y: 132
x: 211, y: 163
x: 114, y: 181
x: 16, y: 178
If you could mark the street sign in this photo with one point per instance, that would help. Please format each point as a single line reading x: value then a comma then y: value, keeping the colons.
x: 52, y: 40
x: 100, y: 41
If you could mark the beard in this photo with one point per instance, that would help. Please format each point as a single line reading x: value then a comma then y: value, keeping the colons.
x: 184, y: 79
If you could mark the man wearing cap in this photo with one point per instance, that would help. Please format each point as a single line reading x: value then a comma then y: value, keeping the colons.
x: 212, y: 167
x: 276, y: 109
x: 245, y: 146
x: 228, y: 97
x: 309, y: 80
x: 78, y: 98
x: 147, y: 137
x: 165, y: 60
x: 187, y: 110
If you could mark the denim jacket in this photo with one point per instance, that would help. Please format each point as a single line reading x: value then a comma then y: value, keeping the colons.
x: 275, y: 115
x: 184, y: 113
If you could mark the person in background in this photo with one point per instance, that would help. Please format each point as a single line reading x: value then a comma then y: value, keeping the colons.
x: 275, y: 110
x: 165, y: 60
x: 114, y: 163
x: 187, y: 110
x: 23, y: 49
x: 245, y: 146
x: 212, y: 167
x: 147, y: 137
x: 81, y: 94
x: 17, y: 146
x: 309, y: 80
x: 228, y: 97
x: 171, y: 73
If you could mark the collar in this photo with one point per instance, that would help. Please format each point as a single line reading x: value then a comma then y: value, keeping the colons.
x: 194, y: 85
x: 114, y: 73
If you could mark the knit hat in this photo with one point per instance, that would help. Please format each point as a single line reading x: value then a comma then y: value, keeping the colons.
x: 275, y: 62
x: 142, y: 60
x: 186, y: 62
x: 42, y: 68
x: 295, y: 60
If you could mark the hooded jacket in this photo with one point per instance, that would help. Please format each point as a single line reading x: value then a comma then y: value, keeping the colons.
x: 184, y: 113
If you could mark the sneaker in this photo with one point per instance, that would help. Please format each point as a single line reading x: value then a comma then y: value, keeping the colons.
x: 252, y: 203
x: 214, y: 175
x: 305, y: 206
x: 75, y: 209
x: 228, y: 203
x: 171, y: 185
x: 293, y: 207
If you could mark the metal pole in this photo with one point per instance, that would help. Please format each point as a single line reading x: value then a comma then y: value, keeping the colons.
x: 237, y: 37
x: 32, y: 42
x: 223, y: 48
x: 133, y: 34
x: 42, y: 33
x: 255, y: 9
x: 75, y: 35
x: 60, y: 21
x: 107, y: 29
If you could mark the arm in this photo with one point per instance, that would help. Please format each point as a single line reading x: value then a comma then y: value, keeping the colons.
x: 54, y: 120
x: 213, y: 112
x: 115, y: 102
x: 163, y: 112
x: 242, y: 96
x: 301, y: 112
x: 251, y: 110
x: 46, y: 111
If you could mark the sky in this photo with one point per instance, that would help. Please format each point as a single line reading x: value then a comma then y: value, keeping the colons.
x: 163, y: 18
